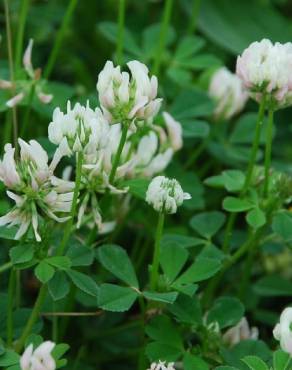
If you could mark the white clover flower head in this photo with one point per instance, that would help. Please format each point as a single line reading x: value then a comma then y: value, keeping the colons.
x: 174, y: 131
x: 124, y: 97
x: 265, y: 68
x: 241, y: 331
x: 39, y: 359
x: 283, y: 330
x: 33, y: 187
x: 165, y: 195
x: 24, y: 87
x: 228, y: 92
x: 162, y: 365
x: 80, y: 128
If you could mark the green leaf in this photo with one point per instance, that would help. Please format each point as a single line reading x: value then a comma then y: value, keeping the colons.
x: 255, y: 363
x: 172, y: 260
x: 44, y: 272
x: 116, y: 298
x: 225, y: 368
x: 233, y: 180
x: 59, y: 350
x: 60, y: 262
x: 167, y: 297
x: 187, y: 310
x: 201, y: 269
x: 59, y: 286
x: 273, y: 286
x: 188, y: 46
x: 282, y: 225
x: 243, y: 132
x: 161, y: 329
x: 9, y: 358
x: 80, y: 255
x: 180, y: 240
x: 156, y: 350
x: 192, y: 362
x: 83, y: 282
x: 226, y: 311
x: 137, y: 187
x: 281, y: 360
x: 21, y: 253
x: 232, y: 204
x: 195, y: 129
x: 7, y: 233
x: 235, y: 27
x: 256, y: 218
x: 115, y: 259
x: 207, y: 224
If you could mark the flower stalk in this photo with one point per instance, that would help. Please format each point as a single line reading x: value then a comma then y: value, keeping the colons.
x: 156, y: 254
x: 268, y: 150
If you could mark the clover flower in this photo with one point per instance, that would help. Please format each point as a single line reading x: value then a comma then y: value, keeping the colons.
x: 39, y: 359
x: 124, y: 97
x: 165, y: 195
x: 80, y: 128
x: 174, y: 130
x: 239, y: 332
x: 282, y: 331
x: 23, y: 86
x: 265, y: 69
x: 162, y: 365
x: 228, y: 92
x: 33, y: 187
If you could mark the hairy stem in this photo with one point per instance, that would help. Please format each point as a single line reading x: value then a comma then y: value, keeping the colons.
x: 268, y: 151
x: 156, y: 254
x: 119, y: 152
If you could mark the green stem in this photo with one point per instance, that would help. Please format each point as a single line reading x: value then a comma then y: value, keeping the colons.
x: 228, y: 232
x: 59, y: 38
x: 24, y: 5
x: 32, y: 319
x: 5, y: 267
x: 69, y: 224
x: 27, y: 111
x: 11, y: 292
x: 119, y: 152
x: 162, y: 37
x: 156, y: 254
x: 194, y: 16
x: 255, y: 145
x: 55, y: 325
x: 268, y: 151
x: 196, y: 154
x: 121, y: 31
x: 11, y: 69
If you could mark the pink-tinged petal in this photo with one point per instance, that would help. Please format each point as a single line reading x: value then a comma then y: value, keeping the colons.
x: 15, y: 100
x: 25, y: 359
x: 4, y: 84
x: 45, y: 98
x: 27, y: 59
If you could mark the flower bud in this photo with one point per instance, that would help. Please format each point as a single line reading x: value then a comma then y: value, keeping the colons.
x: 165, y: 195
x: 162, y: 365
x: 123, y: 98
x: 174, y: 130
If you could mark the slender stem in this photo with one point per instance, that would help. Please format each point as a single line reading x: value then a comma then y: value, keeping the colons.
x: 156, y: 254
x: 192, y: 159
x: 119, y: 152
x: 33, y: 318
x: 228, y: 232
x: 163, y: 34
x: 11, y: 68
x: 69, y: 225
x: 121, y: 31
x: 28, y: 111
x: 268, y: 151
x: 194, y: 16
x: 5, y: 267
x: 255, y: 145
x: 24, y: 5
x: 54, y: 324
x: 18, y: 289
x: 250, y: 168
x: 59, y: 38
x: 11, y: 292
